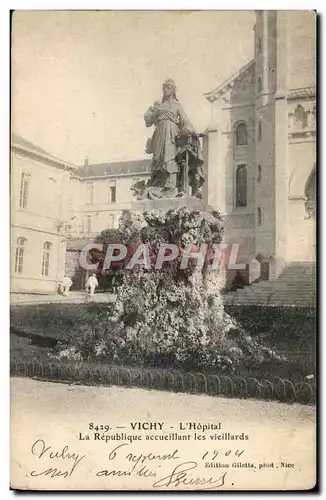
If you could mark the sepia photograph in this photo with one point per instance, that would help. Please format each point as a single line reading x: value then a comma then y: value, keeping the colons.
x: 163, y: 314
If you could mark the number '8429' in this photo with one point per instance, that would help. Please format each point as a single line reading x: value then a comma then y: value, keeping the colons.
x: 97, y: 427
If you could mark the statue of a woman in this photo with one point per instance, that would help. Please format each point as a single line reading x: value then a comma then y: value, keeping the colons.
x: 170, y: 122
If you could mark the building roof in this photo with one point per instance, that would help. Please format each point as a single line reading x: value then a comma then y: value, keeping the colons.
x: 131, y: 167
x: 20, y: 143
x: 215, y: 94
x: 17, y: 139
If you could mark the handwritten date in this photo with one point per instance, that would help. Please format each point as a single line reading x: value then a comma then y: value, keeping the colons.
x: 141, y: 466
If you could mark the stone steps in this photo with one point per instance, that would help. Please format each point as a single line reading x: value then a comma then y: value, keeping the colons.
x: 295, y: 286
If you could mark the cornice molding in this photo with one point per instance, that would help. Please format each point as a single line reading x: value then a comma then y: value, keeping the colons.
x: 297, y: 198
x: 55, y: 162
x: 227, y: 85
x: 302, y: 93
x: 302, y: 133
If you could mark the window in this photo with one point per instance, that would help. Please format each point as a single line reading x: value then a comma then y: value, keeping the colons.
x: 88, y: 224
x: 259, y: 132
x: 46, y: 258
x: 259, y: 216
x: 258, y: 45
x: 112, y: 194
x: 90, y: 193
x: 312, y: 116
x: 259, y: 174
x: 111, y: 221
x: 258, y: 84
x: 241, y: 138
x: 23, y: 196
x: 310, y: 193
x: 241, y: 186
x: 314, y: 112
x: 19, y: 255
x: 300, y: 117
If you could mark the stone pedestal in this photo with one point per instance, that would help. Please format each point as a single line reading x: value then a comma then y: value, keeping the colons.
x: 171, y: 314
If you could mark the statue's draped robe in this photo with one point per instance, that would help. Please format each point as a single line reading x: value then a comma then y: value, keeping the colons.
x: 171, y: 122
x: 168, y: 124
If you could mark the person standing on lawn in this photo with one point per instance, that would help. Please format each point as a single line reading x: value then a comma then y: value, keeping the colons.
x: 91, y: 284
x: 114, y: 284
x: 65, y: 285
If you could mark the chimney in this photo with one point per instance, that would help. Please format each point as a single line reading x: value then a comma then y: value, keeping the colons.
x: 86, y: 162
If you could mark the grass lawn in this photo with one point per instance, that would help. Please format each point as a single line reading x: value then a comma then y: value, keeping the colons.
x: 36, y: 329
x: 54, y: 320
x: 23, y: 348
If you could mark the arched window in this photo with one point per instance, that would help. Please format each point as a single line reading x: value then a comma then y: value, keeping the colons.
x: 46, y: 258
x: 259, y: 173
x: 314, y: 111
x: 258, y: 84
x: 259, y: 216
x: 241, y: 136
x: 300, y: 117
x: 259, y: 131
x: 311, y: 118
x: 19, y: 254
x: 24, y: 188
x: 241, y: 186
x: 310, y: 193
x: 111, y: 221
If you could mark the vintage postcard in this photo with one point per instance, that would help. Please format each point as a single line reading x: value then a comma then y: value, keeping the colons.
x: 163, y: 250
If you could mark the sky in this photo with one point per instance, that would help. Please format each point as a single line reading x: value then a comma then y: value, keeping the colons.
x: 82, y: 80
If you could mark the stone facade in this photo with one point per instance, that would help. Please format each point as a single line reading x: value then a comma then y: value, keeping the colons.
x: 55, y: 203
x: 265, y: 124
x: 38, y: 184
x: 98, y: 194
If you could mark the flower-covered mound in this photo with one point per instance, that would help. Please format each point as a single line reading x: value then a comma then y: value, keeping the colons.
x: 170, y: 317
